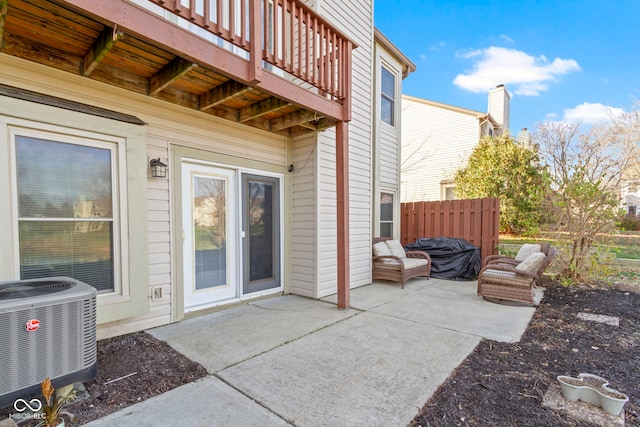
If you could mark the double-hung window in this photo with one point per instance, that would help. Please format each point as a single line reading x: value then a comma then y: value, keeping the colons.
x: 67, y: 207
x: 387, y: 96
x: 386, y: 214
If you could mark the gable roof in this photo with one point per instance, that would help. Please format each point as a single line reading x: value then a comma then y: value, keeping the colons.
x: 477, y: 114
x: 407, y: 65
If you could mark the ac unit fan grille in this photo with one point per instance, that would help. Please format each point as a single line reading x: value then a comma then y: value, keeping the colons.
x: 17, y: 290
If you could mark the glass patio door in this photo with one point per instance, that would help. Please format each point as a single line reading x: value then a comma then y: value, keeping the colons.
x: 261, y: 233
x: 210, y: 234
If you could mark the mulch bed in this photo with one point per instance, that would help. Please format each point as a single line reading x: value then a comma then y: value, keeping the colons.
x: 503, y: 384
x: 158, y: 368
x: 499, y: 384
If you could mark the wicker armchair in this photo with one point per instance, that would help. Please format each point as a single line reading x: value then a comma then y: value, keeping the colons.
x: 544, y: 248
x: 397, y: 266
x: 509, y: 282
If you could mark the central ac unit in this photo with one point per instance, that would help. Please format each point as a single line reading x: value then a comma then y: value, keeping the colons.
x: 47, y: 329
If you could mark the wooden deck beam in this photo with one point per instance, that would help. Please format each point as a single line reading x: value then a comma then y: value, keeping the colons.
x: 222, y: 93
x: 4, y: 7
x: 261, y: 108
x: 103, y: 44
x: 171, y: 72
x: 293, y: 119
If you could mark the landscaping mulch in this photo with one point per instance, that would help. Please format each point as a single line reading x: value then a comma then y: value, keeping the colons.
x: 503, y: 384
x: 156, y: 368
x: 498, y: 384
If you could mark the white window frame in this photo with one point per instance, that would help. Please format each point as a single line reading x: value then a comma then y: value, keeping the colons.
x: 117, y: 146
x: 383, y: 65
x: 446, y: 185
x: 394, y: 205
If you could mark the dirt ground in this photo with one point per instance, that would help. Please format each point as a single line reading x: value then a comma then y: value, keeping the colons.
x: 157, y: 367
x: 499, y: 384
x: 502, y: 384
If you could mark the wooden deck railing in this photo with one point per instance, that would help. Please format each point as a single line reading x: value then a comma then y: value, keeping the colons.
x: 284, y: 33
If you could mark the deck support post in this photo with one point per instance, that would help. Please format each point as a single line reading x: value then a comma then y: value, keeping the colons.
x: 342, y: 195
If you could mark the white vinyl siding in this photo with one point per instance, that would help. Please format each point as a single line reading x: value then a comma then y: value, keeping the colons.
x: 303, y: 218
x: 166, y: 125
x: 436, y: 141
x: 499, y: 107
x: 389, y: 158
x: 311, y: 244
x: 355, y: 20
x: 386, y: 163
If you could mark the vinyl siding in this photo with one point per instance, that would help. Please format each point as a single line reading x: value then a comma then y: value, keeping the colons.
x: 386, y: 140
x: 436, y: 142
x: 303, y: 218
x: 312, y: 217
x: 355, y: 19
x: 389, y: 158
x: 166, y: 125
x: 499, y: 106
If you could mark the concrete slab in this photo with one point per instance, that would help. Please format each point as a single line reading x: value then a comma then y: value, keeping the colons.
x: 221, y: 339
x: 207, y: 402
x: 371, y: 369
x: 455, y: 306
x: 600, y: 318
x: 382, y: 292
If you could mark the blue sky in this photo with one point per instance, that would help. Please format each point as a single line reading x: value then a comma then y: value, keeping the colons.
x: 560, y: 60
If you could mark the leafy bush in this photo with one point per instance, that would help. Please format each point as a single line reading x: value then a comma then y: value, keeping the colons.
x: 629, y: 222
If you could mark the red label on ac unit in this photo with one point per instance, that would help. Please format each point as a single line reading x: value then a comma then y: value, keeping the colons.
x: 32, y: 325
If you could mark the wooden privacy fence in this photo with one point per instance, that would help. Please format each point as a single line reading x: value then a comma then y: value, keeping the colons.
x: 475, y: 220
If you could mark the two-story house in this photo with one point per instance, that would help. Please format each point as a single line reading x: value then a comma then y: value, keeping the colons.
x: 262, y: 112
x: 438, y: 138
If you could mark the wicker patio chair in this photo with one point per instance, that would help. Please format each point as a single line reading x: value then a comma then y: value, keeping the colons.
x: 397, y: 264
x: 525, y: 250
x: 504, y: 281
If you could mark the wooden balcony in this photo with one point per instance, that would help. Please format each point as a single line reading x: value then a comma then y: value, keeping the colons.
x: 271, y: 64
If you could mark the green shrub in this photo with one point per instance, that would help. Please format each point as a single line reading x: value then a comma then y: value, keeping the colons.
x: 629, y: 222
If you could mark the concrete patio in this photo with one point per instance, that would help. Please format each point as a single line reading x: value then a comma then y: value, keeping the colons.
x: 292, y: 360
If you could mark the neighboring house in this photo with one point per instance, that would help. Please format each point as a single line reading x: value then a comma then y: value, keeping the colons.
x: 437, y: 140
x: 266, y: 127
x: 630, y: 191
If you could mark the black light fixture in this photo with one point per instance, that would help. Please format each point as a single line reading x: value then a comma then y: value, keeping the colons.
x: 158, y: 169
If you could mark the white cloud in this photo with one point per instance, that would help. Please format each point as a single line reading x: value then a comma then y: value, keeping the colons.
x: 506, y: 38
x: 525, y: 74
x: 591, y: 113
x: 437, y: 46
x: 468, y: 53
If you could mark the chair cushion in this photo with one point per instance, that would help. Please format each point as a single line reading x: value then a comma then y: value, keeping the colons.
x: 396, y: 248
x: 409, y: 263
x: 526, y: 250
x: 381, y: 249
x: 532, y: 263
x: 414, y: 262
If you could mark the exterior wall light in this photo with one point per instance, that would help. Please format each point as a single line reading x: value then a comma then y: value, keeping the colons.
x: 158, y: 169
